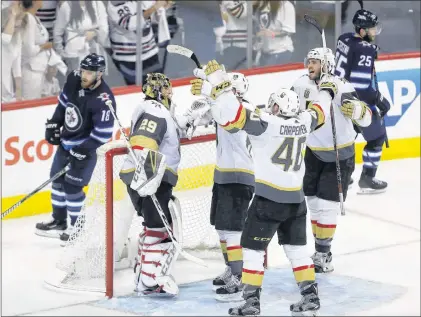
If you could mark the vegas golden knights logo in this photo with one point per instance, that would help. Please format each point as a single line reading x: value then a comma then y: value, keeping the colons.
x: 306, y: 93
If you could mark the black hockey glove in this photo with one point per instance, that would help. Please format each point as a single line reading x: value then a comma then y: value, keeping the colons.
x: 78, y: 157
x: 52, y: 132
x: 382, y: 103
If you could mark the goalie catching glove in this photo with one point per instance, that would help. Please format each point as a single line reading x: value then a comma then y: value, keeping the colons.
x: 197, y: 115
x: 149, y: 172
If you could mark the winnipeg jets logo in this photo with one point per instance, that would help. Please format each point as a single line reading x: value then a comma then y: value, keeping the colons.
x: 73, y: 119
x: 362, y: 17
x: 104, y: 96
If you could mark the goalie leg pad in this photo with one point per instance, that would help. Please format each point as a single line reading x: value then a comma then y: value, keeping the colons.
x: 158, y: 255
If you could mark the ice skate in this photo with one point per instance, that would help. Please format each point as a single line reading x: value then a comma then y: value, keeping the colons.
x: 222, y: 279
x: 51, y: 229
x: 322, y: 262
x: 371, y: 185
x: 251, y: 307
x: 231, y: 291
x: 309, y: 304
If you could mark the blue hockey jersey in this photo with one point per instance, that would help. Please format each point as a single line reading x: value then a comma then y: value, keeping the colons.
x: 355, y: 62
x: 86, y: 120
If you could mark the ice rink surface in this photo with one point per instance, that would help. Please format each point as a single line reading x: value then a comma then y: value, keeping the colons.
x: 376, y: 253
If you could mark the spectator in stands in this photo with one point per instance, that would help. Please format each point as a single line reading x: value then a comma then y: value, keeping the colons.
x: 276, y: 23
x: 47, y: 15
x: 11, y: 47
x: 51, y: 86
x: 231, y: 38
x: 36, y: 50
x: 81, y: 27
x: 123, y: 37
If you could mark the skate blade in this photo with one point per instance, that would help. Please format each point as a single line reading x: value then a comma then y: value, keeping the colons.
x: 215, y: 287
x: 369, y: 191
x: 49, y: 233
x: 236, y: 297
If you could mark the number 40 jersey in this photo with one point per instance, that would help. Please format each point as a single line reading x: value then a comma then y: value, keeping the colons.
x: 277, y: 143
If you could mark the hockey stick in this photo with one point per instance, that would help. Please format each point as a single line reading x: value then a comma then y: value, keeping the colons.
x: 313, y: 22
x: 180, y: 50
x: 153, y: 197
x: 20, y: 202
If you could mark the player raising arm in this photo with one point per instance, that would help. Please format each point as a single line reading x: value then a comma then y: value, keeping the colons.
x: 155, y: 128
x: 231, y: 194
x: 277, y: 139
x: 81, y: 123
x: 320, y: 179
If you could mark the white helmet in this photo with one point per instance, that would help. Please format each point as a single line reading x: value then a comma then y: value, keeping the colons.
x: 284, y: 102
x: 240, y: 84
x: 317, y: 53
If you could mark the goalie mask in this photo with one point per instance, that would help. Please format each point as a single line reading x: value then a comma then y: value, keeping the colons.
x: 240, y: 84
x: 158, y: 87
x: 317, y: 54
x: 283, y: 102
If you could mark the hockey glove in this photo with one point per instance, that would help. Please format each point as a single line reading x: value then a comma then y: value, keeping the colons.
x: 216, y: 75
x: 353, y: 109
x: 202, y: 87
x: 382, y: 104
x: 78, y: 157
x: 328, y: 84
x: 52, y: 132
x: 198, y: 114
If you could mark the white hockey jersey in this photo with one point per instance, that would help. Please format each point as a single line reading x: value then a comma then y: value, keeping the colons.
x: 234, y: 163
x: 123, y: 22
x: 277, y: 144
x: 154, y: 128
x: 235, y: 19
x: 321, y: 141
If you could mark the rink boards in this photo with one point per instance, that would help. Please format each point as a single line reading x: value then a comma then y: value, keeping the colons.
x: 27, y: 157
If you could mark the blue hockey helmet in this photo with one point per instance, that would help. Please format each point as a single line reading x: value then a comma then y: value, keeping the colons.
x: 364, y: 19
x: 93, y: 62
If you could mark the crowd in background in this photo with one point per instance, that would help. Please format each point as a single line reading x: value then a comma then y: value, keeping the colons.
x: 42, y: 41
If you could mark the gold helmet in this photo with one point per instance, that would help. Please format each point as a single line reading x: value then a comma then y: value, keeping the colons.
x: 153, y: 88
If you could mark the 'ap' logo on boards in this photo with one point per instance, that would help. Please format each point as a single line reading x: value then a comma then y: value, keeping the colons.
x: 402, y: 89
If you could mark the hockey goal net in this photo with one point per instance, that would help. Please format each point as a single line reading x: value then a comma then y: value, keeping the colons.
x: 108, y: 227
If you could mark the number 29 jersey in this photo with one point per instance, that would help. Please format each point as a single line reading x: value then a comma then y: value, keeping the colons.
x: 154, y: 128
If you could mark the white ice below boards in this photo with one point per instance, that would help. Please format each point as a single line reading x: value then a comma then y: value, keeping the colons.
x: 376, y: 257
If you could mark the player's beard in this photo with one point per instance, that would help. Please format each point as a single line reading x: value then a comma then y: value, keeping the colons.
x: 87, y: 84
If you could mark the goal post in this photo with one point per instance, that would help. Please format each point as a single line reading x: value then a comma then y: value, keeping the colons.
x: 105, y: 235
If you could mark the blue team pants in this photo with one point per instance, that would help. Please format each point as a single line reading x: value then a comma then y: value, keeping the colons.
x: 67, y: 195
x: 375, y: 135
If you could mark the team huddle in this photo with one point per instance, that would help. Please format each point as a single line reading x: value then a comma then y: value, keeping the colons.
x: 272, y: 165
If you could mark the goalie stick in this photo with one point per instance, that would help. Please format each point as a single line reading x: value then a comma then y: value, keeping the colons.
x: 313, y: 22
x: 153, y: 197
x: 36, y: 190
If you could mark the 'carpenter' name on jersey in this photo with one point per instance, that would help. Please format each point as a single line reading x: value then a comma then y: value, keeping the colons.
x: 293, y: 130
